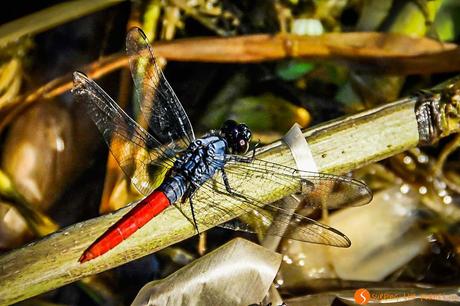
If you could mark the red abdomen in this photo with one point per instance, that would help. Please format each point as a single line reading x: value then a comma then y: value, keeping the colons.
x: 137, y: 217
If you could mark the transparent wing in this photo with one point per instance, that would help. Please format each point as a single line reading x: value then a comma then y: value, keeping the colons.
x: 160, y: 106
x: 316, y: 189
x: 215, y: 204
x: 141, y: 157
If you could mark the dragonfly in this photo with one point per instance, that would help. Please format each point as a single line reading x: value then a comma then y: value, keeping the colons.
x: 174, y: 168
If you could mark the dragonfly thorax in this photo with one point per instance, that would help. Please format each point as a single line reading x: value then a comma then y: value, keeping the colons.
x: 198, y: 163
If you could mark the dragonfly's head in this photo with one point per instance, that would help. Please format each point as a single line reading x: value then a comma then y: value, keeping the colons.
x: 238, y: 136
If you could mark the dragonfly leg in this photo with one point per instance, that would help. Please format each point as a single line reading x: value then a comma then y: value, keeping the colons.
x: 193, y: 212
x: 254, y: 149
x: 225, y: 179
x: 245, y: 159
x: 228, y: 187
x: 189, y: 194
x: 183, y: 214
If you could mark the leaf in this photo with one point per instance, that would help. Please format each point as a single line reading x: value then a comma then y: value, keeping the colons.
x: 294, y: 69
x: 252, y: 271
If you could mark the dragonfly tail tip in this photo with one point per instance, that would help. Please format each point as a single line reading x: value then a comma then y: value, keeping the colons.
x: 86, y: 256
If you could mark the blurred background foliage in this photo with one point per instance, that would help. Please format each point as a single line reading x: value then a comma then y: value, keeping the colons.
x: 56, y: 171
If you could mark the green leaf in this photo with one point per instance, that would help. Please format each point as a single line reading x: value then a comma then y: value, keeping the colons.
x: 293, y: 69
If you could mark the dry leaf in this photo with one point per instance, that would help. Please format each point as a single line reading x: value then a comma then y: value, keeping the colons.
x: 238, y: 273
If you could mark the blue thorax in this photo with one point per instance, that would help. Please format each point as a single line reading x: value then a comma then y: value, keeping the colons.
x: 198, y: 163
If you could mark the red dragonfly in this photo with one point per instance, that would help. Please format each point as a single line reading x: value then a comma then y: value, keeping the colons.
x: 178, y: 169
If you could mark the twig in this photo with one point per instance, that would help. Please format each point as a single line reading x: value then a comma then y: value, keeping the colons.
x: 387, y: 53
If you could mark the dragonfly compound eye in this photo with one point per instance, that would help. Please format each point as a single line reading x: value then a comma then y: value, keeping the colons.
x: 243, y: 137
x: 243, y: 146
x: 230, y: 132
x: 229, y: 128
x: 244, y: 132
